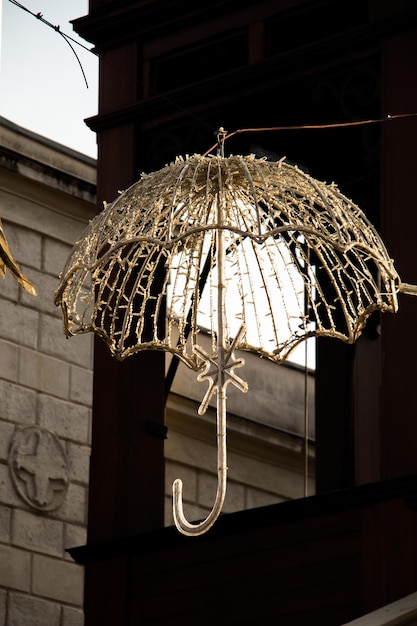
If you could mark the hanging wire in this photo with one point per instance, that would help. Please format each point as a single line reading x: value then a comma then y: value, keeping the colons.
x: 58, y: 30
x: 68, y: 38
x: 381, y: 120
x: 41, y: 18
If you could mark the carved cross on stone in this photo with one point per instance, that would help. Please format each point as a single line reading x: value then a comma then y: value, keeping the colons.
x: 39, y: 467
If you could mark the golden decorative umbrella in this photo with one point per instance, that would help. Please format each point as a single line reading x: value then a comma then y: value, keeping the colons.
x: 257, y: 253
x: 8, y: 262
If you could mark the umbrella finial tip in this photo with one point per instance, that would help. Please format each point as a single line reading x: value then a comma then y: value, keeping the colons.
x: 221, y: 136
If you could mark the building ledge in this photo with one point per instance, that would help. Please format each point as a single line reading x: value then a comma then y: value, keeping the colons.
x: 232, y: 525
x: 400, y: 613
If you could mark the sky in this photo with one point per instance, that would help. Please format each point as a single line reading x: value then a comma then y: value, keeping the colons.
x: 42, y: 87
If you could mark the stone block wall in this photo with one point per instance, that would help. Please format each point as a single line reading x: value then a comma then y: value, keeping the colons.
x: 47, y: 195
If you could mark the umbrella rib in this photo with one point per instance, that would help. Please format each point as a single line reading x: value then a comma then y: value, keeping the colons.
x: 173, y: 366
x: 302, y: 229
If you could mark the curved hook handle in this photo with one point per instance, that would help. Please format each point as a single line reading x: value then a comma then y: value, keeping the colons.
x: 185, y: 527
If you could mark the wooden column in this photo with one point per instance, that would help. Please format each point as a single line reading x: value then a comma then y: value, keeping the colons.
x: 399, y: 224
x: 366, y: 412
x: 126, y: 491
x: 334, y: 459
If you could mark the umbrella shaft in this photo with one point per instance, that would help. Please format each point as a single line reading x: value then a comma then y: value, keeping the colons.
x: 221, y: 289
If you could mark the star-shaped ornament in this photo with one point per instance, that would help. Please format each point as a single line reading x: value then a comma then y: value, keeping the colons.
x: 220, y: 367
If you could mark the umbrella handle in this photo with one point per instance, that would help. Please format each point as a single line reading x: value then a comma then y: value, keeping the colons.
x: 219, y: 372
x: 182, y: 524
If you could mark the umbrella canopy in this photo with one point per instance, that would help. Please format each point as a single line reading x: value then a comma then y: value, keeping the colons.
x: 299, y: 259
x: 257, y: 253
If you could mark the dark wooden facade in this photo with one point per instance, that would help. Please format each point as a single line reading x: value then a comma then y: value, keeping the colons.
x: 171, y: 73
x: 321, y: 560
